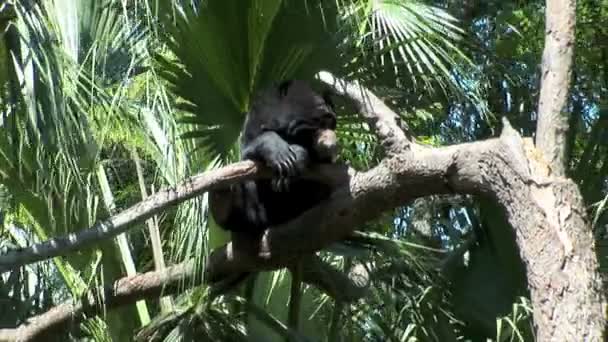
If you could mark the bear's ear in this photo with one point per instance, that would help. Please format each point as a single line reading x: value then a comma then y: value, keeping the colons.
x: 283, y: 87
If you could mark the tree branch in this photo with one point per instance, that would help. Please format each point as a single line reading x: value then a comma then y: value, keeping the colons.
x: 392, y: 183
x: 156, y: 283
x: 556, y: 72
x: 147, y: 208
x: 123, y: 291
x: 122, y: 221
x: 394, y: 135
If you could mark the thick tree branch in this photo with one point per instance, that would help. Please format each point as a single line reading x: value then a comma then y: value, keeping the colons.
x: 556, y: 72
x: 151, y: 285
x: 393, y: 134
x: 368, y: 194
x: 546, y: 213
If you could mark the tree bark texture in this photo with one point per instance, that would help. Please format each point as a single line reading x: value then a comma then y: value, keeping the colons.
x: 552, y: 122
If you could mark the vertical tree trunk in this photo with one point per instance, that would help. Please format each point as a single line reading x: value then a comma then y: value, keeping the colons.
x: 556, y: 242
x: 556, y: 72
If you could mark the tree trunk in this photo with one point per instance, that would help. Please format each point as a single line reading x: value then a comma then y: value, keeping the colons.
x: 552, y: 124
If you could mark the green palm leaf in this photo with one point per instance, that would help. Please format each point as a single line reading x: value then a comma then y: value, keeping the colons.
x: 221, y: 52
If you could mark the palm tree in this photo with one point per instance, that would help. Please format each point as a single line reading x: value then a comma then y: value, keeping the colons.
x: 57, y: 80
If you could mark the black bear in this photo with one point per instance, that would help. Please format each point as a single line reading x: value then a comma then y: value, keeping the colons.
x: 289, y: 128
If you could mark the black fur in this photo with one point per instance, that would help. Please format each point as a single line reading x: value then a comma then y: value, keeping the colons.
x: 279, y: 131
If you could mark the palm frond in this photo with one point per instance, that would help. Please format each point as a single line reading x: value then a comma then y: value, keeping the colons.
x: 414, y: 41
x: 221, y: 52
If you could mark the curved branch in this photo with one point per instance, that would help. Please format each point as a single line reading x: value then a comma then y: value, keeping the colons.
x: 394, y: 135
x: 154, y: 284
x: 546, y: 212
x: 367, y: 195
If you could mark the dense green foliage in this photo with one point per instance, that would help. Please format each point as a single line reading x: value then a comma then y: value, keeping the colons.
x: 103, y: 102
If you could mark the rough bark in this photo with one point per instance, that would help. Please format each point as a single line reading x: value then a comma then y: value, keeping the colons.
x: 552, y: 123
x: 566, y: 288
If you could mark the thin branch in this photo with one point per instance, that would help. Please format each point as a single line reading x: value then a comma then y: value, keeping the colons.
x: 122, y: 221
x: 295, y: 298
x: 556, y: 73
x: 332, y: 174
x: 156, y: 283
x: 124, y: 291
